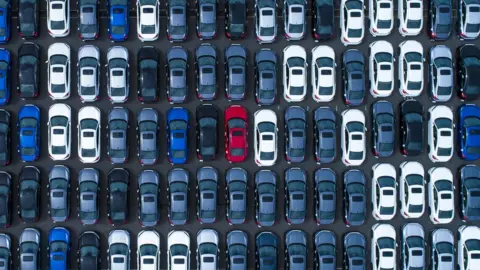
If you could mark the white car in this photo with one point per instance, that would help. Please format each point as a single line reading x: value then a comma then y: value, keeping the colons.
x: 148, y: 251
x: 58, y: 18
x: 294, y: 73
x: 118, y: 74
x: 178, y: 250
x: 148, y: 19
x: 440, y: 195
x: 353, y: 137
x: 59, y: 131
x: 58, y: 71
x: 440, y: 133
x: 410, y: 68
x: 383, y: 247
x: 410, y: 16
x: 468, y: 256
x: 118, y: 250
x: 323, y: 73
x: 384, y: 191
x: 381, y: 17
x: 88, y: 73
x: 207, y: 249
x: 352, y: 23
x: 266, y: 140
x: 89, y: 127
x: 412, y: 189
x: 381, y: 68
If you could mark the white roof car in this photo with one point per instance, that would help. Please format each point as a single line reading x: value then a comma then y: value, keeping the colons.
x: 294, y: 73
x: 148, y: 251
x: 410, y: 16
x: 117, y: 74
x: 381, y: 17
x: 89, y: 127
x: 265, y: 21
x: 381, y: 68
x: 353, y: 137
x: 207, y: 249
x: 148, y: 19
x: 384, y: 191
x: 410, y: 68
x: 88, y: 72
x: 440, y: 133
x: 178, y: 250
x: 468, y: 23
x: 383, y: 247
x: 468, y: 247
x: 352, y: 23
x: 59, y: 71
x: 441, y: 195
x: 266, y: 140
x: 58, y: 18
x: 118, y: 250
x: 323, y: 73
x: 59, y: 131
x: 412, y: 189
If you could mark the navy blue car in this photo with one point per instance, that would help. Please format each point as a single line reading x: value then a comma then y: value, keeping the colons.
x: 118, y: 20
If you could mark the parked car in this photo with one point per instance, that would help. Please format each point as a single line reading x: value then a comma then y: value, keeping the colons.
x: 266, y: 142
x: 325, y: 131
x: 381, y: 67
x: 147, y: 136
x: 295, y: 195
x: 5, y: 73
x: 295, y: 134
x: 236, y: 134
x: 29, y: 249
x: 29, y: 188
x: 266, y: 21
x: 177, y: 189
x: 410, y: 68
x: 29, y: 133
x: 294, y: 19
x: 325, y: 245
x: 440, y: 133
x: 352, y: 25
x: 28, y: 63
x: 207, y: 132
x: 353, y: 137
x: 384, y: 191
x: 467, y: 250
x: 294, y: 73
x: 5, y: 138
x: 381, y: 17
x: 440, y: 195
x: 117, y: 196
x: 88, y: 195
x: 468, y: 25
x: 236, y: 64
x: 28, y: 18
x: 412, y: 189
x: 323, y: 19
x: 89, y: 134
x: 413, y: 246
x: 206, y: 71
x: 88, y: 253
x: 207, y: 249
x: 469, y: 131
x: 5, y: 199
x: 59, y: 193
x: 295, y: 250
x: 442, y: 250
x: 148, y: 20
x: 59, y: 243
x: 118, y: 19
x: 265, y: 198
x: 265, y: 77
x: 440, y: 75
x: 178, y: 249
x: 177, y: 137
x: 325, y: 196
x: 411, y: 128
x: 148, y: 61
x: 323, y: 73
x: 176, y: 69
x: 354, y: 197
x: 117, y: 127
x: 410, y: 17
x: 383, y: 247
x: 59, y: 70
x: 236, y: 19
x: 177, y: 27
x: 468, y: 57
x: 207, y: 194
x: 236, y: 249
x: 58, y: 18
x: 88, y: 73
x: 353, y: 77
x: 355, y: 247
x: 118, y: 74
x: 383, y: 129
x: 469, y: 189
x: 118, y: 252
x: 266, y: 244
x: 206, y: 19
x: 59, y: 131
x: 236, y: 195
x: 148, y: 186
x: 88, y: 26
x: 148, y: 249
x: 440, y: 16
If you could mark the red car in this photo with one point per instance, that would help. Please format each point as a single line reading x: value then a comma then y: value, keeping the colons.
x: 236, y: 126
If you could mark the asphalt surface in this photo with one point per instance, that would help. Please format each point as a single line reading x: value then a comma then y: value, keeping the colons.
x: 193, y: 226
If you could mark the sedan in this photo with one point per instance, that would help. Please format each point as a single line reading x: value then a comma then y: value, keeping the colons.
x: 440, y: 195
x: 5, y: 76
x: 88, y: 192
x: 412, y: 189
x: 59, y: 71
x: 88, y: 73
x: 5, y: 137
x: 440, y: 133
x: 118, y: 74
x: 295, y: 195
x: 295, y: 250
x: 28, y: 70
x: 295, y: 134
x: 325, y: 131
x: 178, y: 250
x: 118, y: 19
x: 355, y: 247
x: 28, y: 18
x: 29, y: 133
x: 118, y: 251
x: 59, y: 131
x: 89, y: 134
x: 147, y: 136
x: 383, y: 247
x: 353, y: 137
x: 352, y: 25
x: 176, y: 74
x: 89, y: 251
x: 148, y: 250
x: 325, y: 250
x: 148, y: 20
x: 383, y: 129
x: 468, y: 25
x: 440, y: 74
x: 117, y: 136
x: 59, y: 193
x: 29, y: 249
x: 207, y: 249
x: 89, y: 23
x: 59, y: 243
x: 468, y: 250
x: 207, y: 132
x: 384, y: 191
x: 266, y: 141
x: 413, y: 246
x: 236, y: 64
x: 353, y: 77
x: 410, y: 17
x: 469, y: 191
x: 442, y: 251
x: 117, y: 196
x: 148, y: 61
x: 323, y: 74
x: 236, y: 12
x: 440, y: 17
x: 148, y: 182
x: 177, y: 189
x: 355, y: 198
x: 5, y: 199
x: 206, y: 19
x: 29, y: 193
x: 411, y: 128
x: 177, y: 26
x: 266, y: 244
x: 381, y: 17
x: 323, y: 19
x: 294, y: 19
x: 236, y: 195
x: 206, y: 71
x: 177, y: 135
x: 265, y: 198
x: 468, y: 58
x: 236, y: 249
x: 410, y: 68
x: 207, y: 194
x: 469, y: 131
x: 294, y: 73
x: 265, y: 77
x: 236, y: 134
x: 325, y: 196
x: 266, y: 21
x: 58, y: 18
x: 380, y: 68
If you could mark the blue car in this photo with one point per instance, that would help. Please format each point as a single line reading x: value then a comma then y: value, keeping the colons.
x: 58, y: 248
x: 469, y: 131
x: 5, y: 18
x: 177, y: 128
x: 29, y: 133
x: 118, y: 20
x: 5, y: 81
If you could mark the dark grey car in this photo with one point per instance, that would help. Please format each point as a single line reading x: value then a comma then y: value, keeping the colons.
x: 353, y: 77
x: 177, y: 28
x: 29, y: 249
x: 206, y: 19
x: 440, y: 75
x: 383, y: 128
x: 59, y: 193
x: 266, y: 251
x: 88, y: 27
x: 295, y: 250
x: 325, y: 134
x: 206, y: 71
x: 295, y: 134
x: 295, y: 195
x: 235, y: 72
x: 176, y: 68
x: 354, y: 197
x: 266, y: 197
x: 177, y: 196
x: 236, y: 195
x: 147, y: 136
x: 470, y: 192
x: 148, y: 187
x: 117, y: 126
x: 325, y: 250
x: 325, y: 195
x: 87, y: 194
x: 354, y: 251
x: 207, y: 187
x: 265, y: 76
x: 237, y: 250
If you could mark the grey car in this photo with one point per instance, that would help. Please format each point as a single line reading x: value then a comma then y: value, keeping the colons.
x: 353, y: 77
x: 117, y: 126
x: 206, y: 19
x: 354, y: 197
x: 295, y: 195
x: 148, y: 188
x: 325, y: 135
x: 266, y: 198
x: 176, y: 68
x: 88, y: 26
x: 440, y: 74
x: 5, y: 251
x: 87, y: 193
x: 265, y: 77
x: 354, y: 251
x: 88, y: 73
x: 325, y: 250
x: 177, y: 27
x: 266, y: 21
x: 469, y: 190
x: 237, y: 250
x: 413, y: 246
x: 236, y: 195
x: 442, y: 249
x: 206, y: 71
x: 59, y: 193
x: 325, y: 198
x: 235, y: 72
x: 147, y: 136
x: 295, y: 134
x: 383, y: 129
x: 29, y: 249
x: 295, y: 250
x: 294, y: 14
x: 177, y: 196
x: 207, y: 184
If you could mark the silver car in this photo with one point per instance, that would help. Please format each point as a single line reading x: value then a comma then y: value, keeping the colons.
x: 117, y: 127
x: 177, y: 190
x: 440, y: 73
x: 118, y: 74
x: 5, y: 251
x: 147, y: 136
x: 294, y: 19
x: 207, y: 185
x: 118, y: 250
x: 88, y: 73
x: 442, y: 250
x: 88, y: 26
x: 148, y: 187
x: 207, y: 249
x: 87, y: 194
x: 58, y: 193
x: 265, y: 21
x: 413, y: 246
x: 29, y: 249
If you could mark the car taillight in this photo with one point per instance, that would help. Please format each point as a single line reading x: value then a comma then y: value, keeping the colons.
x: 228, y: 34
x: 287, y: 97
x: 345, y: 39
x: 96, y: 35
x: 375, y: 92
x: 259, y: 39
x: 404, y: 151
x: 405, y: 214
x: 287, y: 36
x: 374, y: 30
x: 109, y: 36
x: 405, y: 92
x: 288, y: 220
x: 376, y: 153
x: 434, y: 157
x: 80, y: 36
x: 462, y: 95
x: 347, y: 102
x: 346, y: 161
x: 20, y: 34
x: 140, y: 98
x: 404, y: 30
x: 433, y: 35
x: 462, y: 34
x: 35, y: 34
x: 435, y: 219
x: 316, y: 36
x: 465, y: 218
x: 435, y: 97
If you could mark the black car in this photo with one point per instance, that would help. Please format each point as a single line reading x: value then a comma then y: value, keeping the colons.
x: 29, y: 194
x: 117, y: 192
x: 5, y: 199
x: 28, y: 15
x: 323, y: 19
x: 207, y: 132
x: 468, y: 71
x: 354, y: 197
x: 353, y: 77
x: 148, y: 73
x: 5, y: 137
x: 28, y: 70
x: 89, y: 251
x: 383, y: 129
x: 411, y: 128
x: 236, y: 18
x: 440, y: 19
